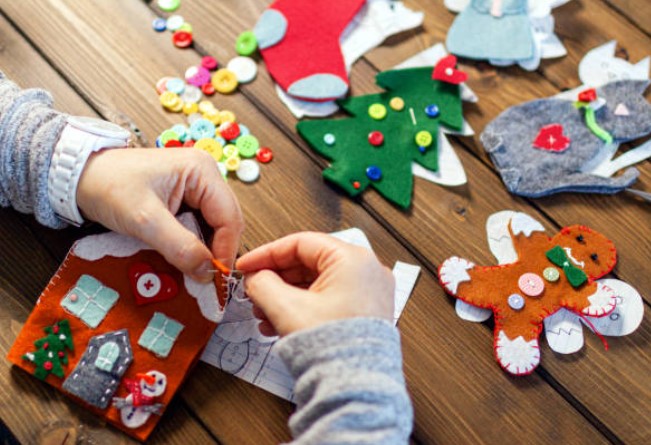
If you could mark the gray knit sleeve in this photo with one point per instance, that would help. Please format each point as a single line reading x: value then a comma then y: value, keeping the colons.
x: 29, y: 130
x: 350, y: 388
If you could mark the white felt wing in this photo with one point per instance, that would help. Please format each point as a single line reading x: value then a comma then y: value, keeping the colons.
x: 628, y: 312
x: 450, y: 172
x: 499, y: 238
x: 564, y: 332
x: 472, y: 313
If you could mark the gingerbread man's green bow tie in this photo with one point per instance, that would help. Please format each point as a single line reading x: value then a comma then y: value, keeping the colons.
x: 559, y: 257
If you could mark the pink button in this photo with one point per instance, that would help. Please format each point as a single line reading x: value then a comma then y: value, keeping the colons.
x: 531, y: 284
x: 73, y: 297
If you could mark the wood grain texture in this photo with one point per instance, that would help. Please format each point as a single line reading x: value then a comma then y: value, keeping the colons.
x: 460, y: 394
x: 636, y: 11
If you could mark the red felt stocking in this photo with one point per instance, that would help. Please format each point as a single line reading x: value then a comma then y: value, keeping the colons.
x: 299, y: 41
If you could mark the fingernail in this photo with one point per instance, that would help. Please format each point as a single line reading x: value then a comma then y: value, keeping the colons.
x: 202, y: 273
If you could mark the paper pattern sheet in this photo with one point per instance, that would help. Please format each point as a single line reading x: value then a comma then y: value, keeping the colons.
x: 238, y: 348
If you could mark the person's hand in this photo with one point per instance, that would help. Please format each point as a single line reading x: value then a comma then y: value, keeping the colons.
x: 138, y: 191
x: 307, y: 279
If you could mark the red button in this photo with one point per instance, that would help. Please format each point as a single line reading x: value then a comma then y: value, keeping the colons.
x: 264, y: 155
x: 229, y: 130
x: 173, y: 143
x: 208, y: 89
x: 182, y: 39
x: 376, y: 138
x: 209, y: 62
x: 356, y: 185
x: 189, y: 143
x: 588, y: 95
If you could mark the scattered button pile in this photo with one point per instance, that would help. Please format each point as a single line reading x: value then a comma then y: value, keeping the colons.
x: 214, y: 131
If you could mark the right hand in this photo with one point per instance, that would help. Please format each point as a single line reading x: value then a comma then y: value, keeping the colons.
x: 308, y: 279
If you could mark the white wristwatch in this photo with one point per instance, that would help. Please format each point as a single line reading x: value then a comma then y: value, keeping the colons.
x: 81, y: 137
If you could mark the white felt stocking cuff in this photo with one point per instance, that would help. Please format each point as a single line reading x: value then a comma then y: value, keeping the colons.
x: 81, y: 137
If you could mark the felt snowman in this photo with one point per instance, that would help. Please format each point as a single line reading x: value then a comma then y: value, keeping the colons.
x: 138, y: 406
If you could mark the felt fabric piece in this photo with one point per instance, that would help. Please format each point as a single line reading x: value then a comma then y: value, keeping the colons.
x: 100, y: 369
x: 110, y: 266
x: 160, y: 334
x: 52, y: 350
x: 307, y: 61
x: 89, y: 300
x: 353, y: 155
x: 517, y: 329
x: 478, y: 34
x: 270, y: 29
x: 530, y: 172
x: 560, y: 258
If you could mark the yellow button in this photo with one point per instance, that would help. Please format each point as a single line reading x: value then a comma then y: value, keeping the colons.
x: 178, y: 107
x: 226, y: 116
x: 377, y: 111
x: 190, y: 108
x: 424, y: 138
x: 205, y: 105
x: 224, y: 81
x: 397, y: 104
x: 211, y: 146
x: 230, y: 151
x: 169, y: 99
x: 232, y: 163
x: 212, y: 116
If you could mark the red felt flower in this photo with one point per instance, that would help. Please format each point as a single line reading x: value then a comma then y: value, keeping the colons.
x: 588, y: 95
x: 551, y: 137
x: 445, y: 71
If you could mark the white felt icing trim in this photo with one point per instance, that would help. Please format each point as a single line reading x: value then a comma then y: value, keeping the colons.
x: 499, y: 238
x: 472, y: 313
x: 628, y: 312
x: 523, y: 223
x: 602, y: 302
x: 453, y: 272
x: 96, y: 247
x: 451, y: 173
x: 564, y: 332
x: 517, y: 356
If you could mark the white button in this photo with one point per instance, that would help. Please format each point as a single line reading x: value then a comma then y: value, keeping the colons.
x: 174, y: 22
x: 148, y: 285
x: 191, y: 94
x: 245, y: 69
x: 249, y: 171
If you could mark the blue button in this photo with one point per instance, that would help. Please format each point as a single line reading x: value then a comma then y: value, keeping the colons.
x: 221, y: 140
x: 159, y: 24
x: 244, y: 130
x: 516, y: 302
x: 374, y: 173
x: 182, y: 131
x: 432, y: 110
x: 202, y: 128
x: 175, y: 85
x: 158, y: 143
x: 422, y: 149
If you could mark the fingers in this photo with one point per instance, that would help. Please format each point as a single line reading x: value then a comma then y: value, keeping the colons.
x: 157, y: 227
x: 206, y: 190
x: 275, y: 298
x: 301, y: 249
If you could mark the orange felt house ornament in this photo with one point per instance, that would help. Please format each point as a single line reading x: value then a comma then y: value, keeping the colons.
x: 118, y: 329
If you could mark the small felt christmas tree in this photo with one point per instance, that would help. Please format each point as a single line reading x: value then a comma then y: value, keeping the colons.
x: 52, y: 350
x: 389, y: 131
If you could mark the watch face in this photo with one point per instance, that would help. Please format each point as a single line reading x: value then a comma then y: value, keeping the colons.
x: 98, y: 127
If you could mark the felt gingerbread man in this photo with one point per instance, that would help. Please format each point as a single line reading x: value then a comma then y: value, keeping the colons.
x: 299, y: 41
x: 548, y: 274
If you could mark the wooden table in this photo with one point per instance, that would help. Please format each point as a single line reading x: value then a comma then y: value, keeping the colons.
x: 101, y: 58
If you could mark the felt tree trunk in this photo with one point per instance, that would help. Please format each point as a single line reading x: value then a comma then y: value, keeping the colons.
x: 386, y: 133
x: 52, y: 350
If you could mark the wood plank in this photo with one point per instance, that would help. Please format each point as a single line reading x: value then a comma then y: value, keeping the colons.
x: 26, y: 268
x: 286, y: 208
x: 638, y: 12
x: 461, y: 213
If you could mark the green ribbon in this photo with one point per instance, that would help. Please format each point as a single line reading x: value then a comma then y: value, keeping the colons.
x: 559, y: 257
x: 591, y: 122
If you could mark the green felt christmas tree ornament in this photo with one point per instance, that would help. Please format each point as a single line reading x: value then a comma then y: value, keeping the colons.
x: 387, y: 132
x: 52, y: 350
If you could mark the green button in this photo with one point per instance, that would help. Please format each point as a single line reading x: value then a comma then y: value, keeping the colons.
x: 246, y: 43
x: 247, y: 146
x: 168, y: 135
x: 424, y: 138
x: 377, y: 111
x: 551, y: 274
x: 229, y: 151
x: 169, y: 5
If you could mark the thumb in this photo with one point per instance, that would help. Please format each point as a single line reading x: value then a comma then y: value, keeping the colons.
x: 180, y: 247
x: 273, y: 296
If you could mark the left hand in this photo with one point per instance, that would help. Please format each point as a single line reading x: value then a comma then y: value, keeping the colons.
x: 137, y: 192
